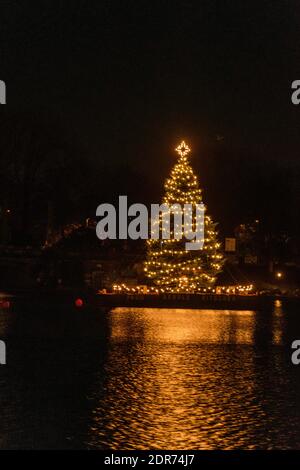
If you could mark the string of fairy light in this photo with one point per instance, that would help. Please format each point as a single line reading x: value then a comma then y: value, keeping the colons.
x: 169, y: 265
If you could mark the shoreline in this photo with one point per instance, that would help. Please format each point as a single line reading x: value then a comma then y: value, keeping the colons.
x: 83, y: 298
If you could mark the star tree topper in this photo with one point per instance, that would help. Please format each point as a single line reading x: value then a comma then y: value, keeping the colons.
x: 183, y: 149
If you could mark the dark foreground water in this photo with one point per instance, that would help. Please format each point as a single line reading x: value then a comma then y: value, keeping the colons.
x: 150, y: 379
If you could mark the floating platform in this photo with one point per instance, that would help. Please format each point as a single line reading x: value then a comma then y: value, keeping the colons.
x: 196, y: 301
x: 51, y: 299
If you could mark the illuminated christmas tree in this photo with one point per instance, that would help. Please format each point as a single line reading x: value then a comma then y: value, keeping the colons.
x: 170, y: 266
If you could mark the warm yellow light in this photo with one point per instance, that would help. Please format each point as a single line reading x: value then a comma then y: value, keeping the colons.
x: 279, y: 274
x: 183, y: 149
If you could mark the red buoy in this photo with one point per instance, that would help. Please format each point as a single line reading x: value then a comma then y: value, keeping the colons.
x: 79, y: 303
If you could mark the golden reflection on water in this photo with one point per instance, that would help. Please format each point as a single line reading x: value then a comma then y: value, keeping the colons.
x: 180, y: 379
x: 277, y: 326
x: 180, y: 326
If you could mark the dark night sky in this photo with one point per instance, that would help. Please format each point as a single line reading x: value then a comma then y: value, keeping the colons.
x: 129, y: 79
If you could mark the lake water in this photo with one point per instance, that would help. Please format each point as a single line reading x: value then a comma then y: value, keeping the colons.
x: 150, y: 379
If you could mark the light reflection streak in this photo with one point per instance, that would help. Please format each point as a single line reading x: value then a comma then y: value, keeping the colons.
x: 180, y: 379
